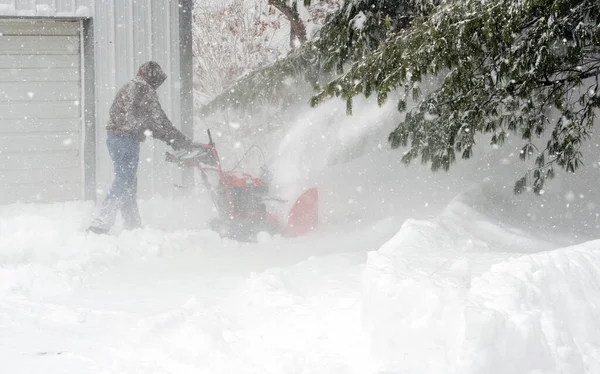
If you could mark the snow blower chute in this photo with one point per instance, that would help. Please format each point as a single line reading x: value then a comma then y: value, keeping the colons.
x: 240, y: 198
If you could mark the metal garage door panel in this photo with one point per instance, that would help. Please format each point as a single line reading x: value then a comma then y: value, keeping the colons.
x: 45, y: 74
x: 39, y: 91
x: 39, y: 142
x: 47, y: 160
x: 32, y: 193
x: 39, y: 126
x: 40, y: 111
x: 27, y: 61
x: 66, y: 176
x: 38, y: 45
x: 44, y: 110
x: 39, y: 27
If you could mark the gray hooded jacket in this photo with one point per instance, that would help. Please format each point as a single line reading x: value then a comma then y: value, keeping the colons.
x: 136, y: 110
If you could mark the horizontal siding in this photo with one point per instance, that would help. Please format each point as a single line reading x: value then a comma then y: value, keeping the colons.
x: 39, y: 142
x: 35, y: 161
x: 39, y: 91
x: 33, y: 125
x: 37, y: 193
x: 30, y: 44
x: 45, y: 110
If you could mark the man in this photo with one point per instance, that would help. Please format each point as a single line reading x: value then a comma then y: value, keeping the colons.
x: 135, y: 114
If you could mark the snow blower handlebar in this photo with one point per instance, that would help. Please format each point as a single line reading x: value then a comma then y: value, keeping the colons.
x: 210, y: 140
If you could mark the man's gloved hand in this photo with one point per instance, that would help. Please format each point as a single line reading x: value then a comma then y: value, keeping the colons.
x: 181, y: 144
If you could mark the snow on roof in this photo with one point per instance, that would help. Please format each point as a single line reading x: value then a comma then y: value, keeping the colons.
x: 7, y: 10
x: 44, y: 10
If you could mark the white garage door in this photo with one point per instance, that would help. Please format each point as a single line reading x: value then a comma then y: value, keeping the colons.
x: 40, y: 111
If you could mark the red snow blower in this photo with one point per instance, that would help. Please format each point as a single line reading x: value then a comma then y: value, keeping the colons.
x: 240, y: 198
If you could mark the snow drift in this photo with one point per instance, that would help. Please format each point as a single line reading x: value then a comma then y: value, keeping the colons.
x: 456, y: 294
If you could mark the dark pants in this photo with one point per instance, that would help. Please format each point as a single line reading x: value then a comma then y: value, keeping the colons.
x: 125, y: 154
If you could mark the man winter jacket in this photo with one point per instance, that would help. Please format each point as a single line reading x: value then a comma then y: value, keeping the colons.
x: 136, y: 110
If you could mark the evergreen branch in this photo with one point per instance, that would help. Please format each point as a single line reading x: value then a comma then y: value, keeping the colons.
x: 318, y: 59
x: 537, y: 73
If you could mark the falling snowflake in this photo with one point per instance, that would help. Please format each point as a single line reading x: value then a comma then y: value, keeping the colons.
x: 570, y: 196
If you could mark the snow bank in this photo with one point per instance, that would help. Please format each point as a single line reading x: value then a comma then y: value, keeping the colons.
x: 44, y: 248
x: 535, y: 314
x: 43, y: 10
x: 455, y: 294
x: 83, y: 11
x: 413, y: 293
x: 276, y: 321
x: 46, y: 233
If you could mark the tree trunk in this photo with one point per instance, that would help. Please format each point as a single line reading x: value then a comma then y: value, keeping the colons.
x: 297, y: 28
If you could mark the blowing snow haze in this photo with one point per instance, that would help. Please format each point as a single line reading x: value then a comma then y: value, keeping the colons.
x: 488, y: 264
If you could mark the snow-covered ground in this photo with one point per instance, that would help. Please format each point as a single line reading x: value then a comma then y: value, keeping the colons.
x: 409, y: 272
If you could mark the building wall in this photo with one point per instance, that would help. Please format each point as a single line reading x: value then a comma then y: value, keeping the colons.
x: 125, y: 34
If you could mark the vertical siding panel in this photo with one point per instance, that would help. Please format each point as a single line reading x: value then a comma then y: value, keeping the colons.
x: 174, y: 74
x: 169, y: 31
x: 89, y: 3
x: 173, y: 47
x: 89, y: 101
x: 86, y: 3
x: 101, y: 40
x: 25, y: 5
x: 123, y: 68
x: 104, y: 27
x: 42, y: 2
x: 123, y: 42
x: 64, y: 6
x: 139, y: 36
x: 161, y: 171
x: 160, y: 53
x: 128, y: 34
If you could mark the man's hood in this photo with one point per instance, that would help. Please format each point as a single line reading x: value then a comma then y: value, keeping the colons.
x: 152, y: 73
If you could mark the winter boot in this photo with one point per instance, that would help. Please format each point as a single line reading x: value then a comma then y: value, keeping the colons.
x: 97, y: 230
